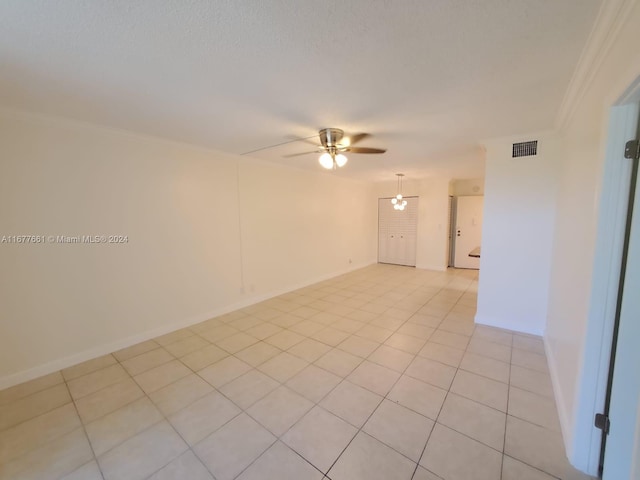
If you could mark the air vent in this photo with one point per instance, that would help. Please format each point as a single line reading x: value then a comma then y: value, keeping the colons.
x: 525, y: 149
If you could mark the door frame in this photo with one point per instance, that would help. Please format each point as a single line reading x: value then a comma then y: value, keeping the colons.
x: 451, y: 244
x: 611, y: 225
x: 623, y: 381
x: 454, y: 229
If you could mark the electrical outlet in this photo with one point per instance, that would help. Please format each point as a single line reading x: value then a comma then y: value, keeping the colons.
x: 349, y: 261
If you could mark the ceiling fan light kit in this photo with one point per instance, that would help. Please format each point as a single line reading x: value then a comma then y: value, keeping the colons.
x: 331, y: 160
x: 326, y: 160
x: 398, y: 202
x: 333, y: 146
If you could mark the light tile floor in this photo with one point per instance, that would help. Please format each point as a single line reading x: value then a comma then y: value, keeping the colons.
x: 376, y: 374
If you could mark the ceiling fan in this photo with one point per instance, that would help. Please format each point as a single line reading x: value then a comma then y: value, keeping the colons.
x: 333, y: 145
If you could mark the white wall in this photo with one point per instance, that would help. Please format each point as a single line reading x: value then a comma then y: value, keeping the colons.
x: 188, y: 239
x: 517, y: 233
x: 580, y: 180
x: 466, y: 187
x: 299, y: 226
x: 432, y: 217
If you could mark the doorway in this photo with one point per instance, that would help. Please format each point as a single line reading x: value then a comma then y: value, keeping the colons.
x: 468, y: 232
x: 397, y: 232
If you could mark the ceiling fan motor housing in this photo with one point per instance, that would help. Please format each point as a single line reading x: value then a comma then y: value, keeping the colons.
x: 330, y: 137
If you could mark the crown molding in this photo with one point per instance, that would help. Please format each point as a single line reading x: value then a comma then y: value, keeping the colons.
x: 610, y: 19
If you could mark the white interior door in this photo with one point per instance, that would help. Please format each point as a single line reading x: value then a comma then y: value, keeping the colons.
x: 397, y: 232
x: 623, y: 441
x: 468, y: 230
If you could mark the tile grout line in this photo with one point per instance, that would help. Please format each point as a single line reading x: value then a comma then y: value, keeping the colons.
x: 166, y: 419
x: 375, y: 409
x: 84, y: 429
x: 440, y: 410
x: 443, y: 319
x: 435, y: 421
x: 147, y: 395
x: 343, y: 379
x: 39, y: 414
x: 283, y: 384
x: 4, y: 404
x: 149, y: 427
x: 327, y: 394
x: 243, y: 411
x: 315, y: 404
x: 535, y: 468
x: 504, y: 438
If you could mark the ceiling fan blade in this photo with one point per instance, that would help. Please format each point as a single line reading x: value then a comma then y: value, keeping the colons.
x: 293, y: 138
x: 358, y: 137
x: 364, y: 150
x: 299, y: 154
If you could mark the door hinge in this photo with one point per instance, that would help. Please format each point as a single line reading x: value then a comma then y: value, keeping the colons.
x: 632, y: 149
x: 602, y: 422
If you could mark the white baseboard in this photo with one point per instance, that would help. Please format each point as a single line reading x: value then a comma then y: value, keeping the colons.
x: 565, y: 424
x: 437, y: 268
x: 68, y: 361
x: 506, y: 325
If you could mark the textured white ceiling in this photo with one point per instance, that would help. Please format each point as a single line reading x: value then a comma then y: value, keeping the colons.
x: 427, y: 78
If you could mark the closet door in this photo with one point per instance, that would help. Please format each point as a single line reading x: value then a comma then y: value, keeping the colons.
x: 397, y: 232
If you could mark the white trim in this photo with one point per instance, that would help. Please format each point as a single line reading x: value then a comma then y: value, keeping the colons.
x: 505, y: 325
x: 611, y: 17
x: 436, y: 268
x: 59, y: 364
x: 584, y: 452
x: 565, y: 421
x: 631, y: 94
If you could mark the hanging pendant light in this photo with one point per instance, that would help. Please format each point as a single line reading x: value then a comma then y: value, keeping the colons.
x: 398, y: 202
